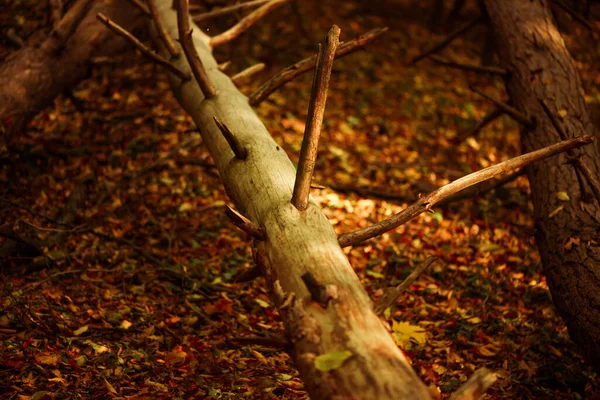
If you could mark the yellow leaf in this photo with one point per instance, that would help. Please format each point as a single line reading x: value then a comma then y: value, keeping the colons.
x: 109, y: 387
x: 403, y: 333
x: 562, y: 113
x: 125, y: 324
x: 564, y: 196
x: 556, y: 211
x: 175, y: 357
x: 185, y: 207
x: 331, y: 361
x: 47, y: 358
x: 81, y: 330
x: 488, y: 350
x: 263, y: 303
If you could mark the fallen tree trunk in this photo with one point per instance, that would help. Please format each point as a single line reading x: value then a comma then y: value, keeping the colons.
x: 33, y: 76
x: 295, y: 243
x: 545, y: 85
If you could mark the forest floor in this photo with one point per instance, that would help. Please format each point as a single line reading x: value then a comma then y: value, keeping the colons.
x: 135, y: 296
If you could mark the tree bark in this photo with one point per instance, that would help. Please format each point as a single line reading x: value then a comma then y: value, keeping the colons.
x: 297, y: 243
x: 541, y: 69
x: 33, y: 76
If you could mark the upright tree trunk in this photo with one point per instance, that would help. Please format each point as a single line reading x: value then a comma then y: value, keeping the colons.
x: 568, y: 233
x: 33, y: 76
x: 297, y: 243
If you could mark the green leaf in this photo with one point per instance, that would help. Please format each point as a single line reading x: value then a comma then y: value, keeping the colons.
x: 331, y: 361
x: 263, y: 303
x: 283, y: 377
x: 438, y: 216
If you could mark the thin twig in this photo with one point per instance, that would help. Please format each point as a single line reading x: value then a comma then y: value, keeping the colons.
x: 245, y: 24
x: 467, y: 67
x: 185, y: 38
x: 314, y: 119
x: 488, y: 119
x: 438, y: 46
x: 307, y: 64
x: 57, y: 12
x: 163, y: 34
x: 511, y: 111
x: 390, y: 295
x: 142, y: 47
x: 476, y: 386
x: 227, y: 10
x: 425, y: 203
x: 247, y: 73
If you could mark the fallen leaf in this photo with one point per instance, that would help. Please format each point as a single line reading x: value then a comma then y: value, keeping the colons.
x: 331, y: 361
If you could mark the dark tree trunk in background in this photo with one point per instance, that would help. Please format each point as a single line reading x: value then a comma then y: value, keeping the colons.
x: 541, y: 68
x: 33, y: 76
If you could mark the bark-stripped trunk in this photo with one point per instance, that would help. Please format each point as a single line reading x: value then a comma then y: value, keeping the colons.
x: 296, y: 242
x: 33, y: 76
x: 541, y: 68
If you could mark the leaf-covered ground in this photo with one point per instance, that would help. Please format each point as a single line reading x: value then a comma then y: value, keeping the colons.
x: 125, y: 288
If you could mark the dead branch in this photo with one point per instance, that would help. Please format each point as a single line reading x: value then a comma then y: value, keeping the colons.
x: 453, y: 35
x: 71, y: 21
x: 578, y: 161
x: 511, y: 111
x: 240, y: 151
x: 245, y: 24
x: 307, y: 64
x: 390, y: 295
x: 162, y: 31
x: 227, y: 10
x: 141, y: 46
x: 425, y: 203
x: 476, y: 386
x: 467, y: 67
x: 274, y: 341
x: 488, y: 119
x: 57, y: 12
x: 247, y: 73
x: 185, y: 38
x: 314, y: 120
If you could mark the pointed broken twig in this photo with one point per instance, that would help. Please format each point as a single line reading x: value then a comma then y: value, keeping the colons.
x: 314, y: 119
x: 245, y: 23
x: 164, y: 36
x: 438, y: 46
x: 511, y: 111
x: 305, y: 65
x: 245, y: 224
x: 476, y: 386
x: 227, y: 10
x: 185, y: 38
x: 425, y: 203
x: 240, y: 151
x: 390, y: 295
x: 248, y: 72
x: 467, y: 67
x: 142, y: 47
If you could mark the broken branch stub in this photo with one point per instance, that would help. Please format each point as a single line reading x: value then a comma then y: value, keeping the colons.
x: 314, y: 120
x: 245, y: 224
x: 425, y: 203
x: 240, y: 151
